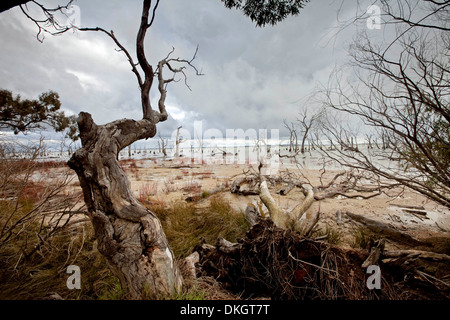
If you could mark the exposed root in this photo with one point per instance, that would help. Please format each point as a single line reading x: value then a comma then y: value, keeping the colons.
x: 281, y: 264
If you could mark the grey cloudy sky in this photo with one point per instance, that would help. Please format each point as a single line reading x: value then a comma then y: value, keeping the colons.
x: 253, y: 77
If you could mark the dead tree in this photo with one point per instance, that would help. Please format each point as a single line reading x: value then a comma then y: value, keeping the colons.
x: 129, y: 235
x: 401, y: 94
x: 276, y: 258
x: 307, y: 122
x: 178, y: 141
x: 293, y: 138
x: 291, y: 219
x: 163, y: 145
x: 346, y: 184
x: 275, y: 262
x: 49, y: 23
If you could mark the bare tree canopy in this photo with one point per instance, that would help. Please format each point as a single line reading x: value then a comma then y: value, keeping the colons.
x: 402, y: 93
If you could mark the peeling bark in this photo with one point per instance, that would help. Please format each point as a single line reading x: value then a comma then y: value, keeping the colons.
x: 252, y: 215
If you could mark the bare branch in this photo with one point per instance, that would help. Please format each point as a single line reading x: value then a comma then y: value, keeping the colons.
x: 50, y: 23
x: 122, y: 49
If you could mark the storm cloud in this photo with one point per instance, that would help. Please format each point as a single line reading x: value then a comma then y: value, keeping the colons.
x: 252, y: 77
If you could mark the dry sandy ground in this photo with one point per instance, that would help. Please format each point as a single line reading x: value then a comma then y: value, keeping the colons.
x: 158, y: 180
x: 175, y: 180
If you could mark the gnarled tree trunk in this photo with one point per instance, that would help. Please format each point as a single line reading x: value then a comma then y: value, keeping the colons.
x: 128, y: 234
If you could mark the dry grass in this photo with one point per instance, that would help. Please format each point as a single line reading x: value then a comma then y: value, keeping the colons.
x: 45, y: 272
x: 205, y: 288
x: 362, y: 237
x: 148, y: 190
x: 192, y: 187
x: 39, y: 235
x: 186, y: 226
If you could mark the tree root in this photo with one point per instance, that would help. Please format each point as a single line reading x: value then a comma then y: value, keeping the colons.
x: 282, y: 264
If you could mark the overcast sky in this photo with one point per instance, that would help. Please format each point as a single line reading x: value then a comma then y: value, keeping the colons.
x: 253, y: 77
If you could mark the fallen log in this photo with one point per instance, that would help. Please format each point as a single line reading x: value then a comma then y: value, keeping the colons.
x: 424, y: 270
x: 385, y: 230
x: 248, y: 185
x: 281, y: 264
x: 416, y: 212
x: 407, y: 206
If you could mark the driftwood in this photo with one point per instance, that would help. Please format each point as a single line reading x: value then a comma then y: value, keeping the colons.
x: 252, y: 215
x: 278, y: 263
x: 277, y: 259
x: 376, y: 249
x: 385, y: 230
x: 188, y: 267
x: 295, y: 218
x: 288, y: 189
x: 247, y: 185
x: 421, y: 214
x: 205, y: 194
x: 53, y: 296
x: 407, y: 206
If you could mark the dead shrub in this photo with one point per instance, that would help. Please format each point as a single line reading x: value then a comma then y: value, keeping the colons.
x: 147, y: 190
x: 192, y: 187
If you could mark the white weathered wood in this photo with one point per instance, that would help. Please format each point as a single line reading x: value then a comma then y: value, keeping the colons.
x: 293, y: 218
x: 190, y: 270
x: 279, y: 216
x: 385, y: 230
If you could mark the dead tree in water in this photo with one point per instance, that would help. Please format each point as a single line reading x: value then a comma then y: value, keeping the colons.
x: 178, y: 141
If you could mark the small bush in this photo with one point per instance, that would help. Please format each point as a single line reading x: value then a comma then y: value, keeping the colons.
x: 333, y: 236
x: 362, y: 238
x: 192, y: 187
x: 147, y: 190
